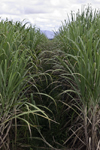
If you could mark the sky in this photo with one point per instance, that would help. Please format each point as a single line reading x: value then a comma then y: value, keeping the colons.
x: 44, y: 14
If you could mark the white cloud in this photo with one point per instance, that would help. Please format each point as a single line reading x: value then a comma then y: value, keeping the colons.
x: 55, y: 2
x: 46, y: 14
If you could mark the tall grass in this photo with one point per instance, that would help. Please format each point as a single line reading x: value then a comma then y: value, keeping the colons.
x: 49, y: 90
x: 80, y: 43
x: 15, y: 81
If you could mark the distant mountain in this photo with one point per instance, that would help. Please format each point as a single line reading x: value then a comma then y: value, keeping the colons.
x: 49, y: 34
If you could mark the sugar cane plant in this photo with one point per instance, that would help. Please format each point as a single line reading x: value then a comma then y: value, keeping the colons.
x: 15, y: 81
x: 58, y: 78
x: 80, y: 43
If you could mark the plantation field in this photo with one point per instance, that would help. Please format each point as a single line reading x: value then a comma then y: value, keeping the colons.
x: 50, y: 89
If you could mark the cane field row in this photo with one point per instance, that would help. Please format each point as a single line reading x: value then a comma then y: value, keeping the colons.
x: 50, y: 89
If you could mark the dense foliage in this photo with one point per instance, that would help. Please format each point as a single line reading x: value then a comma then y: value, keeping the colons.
x: 49, y: 89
